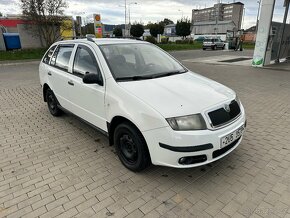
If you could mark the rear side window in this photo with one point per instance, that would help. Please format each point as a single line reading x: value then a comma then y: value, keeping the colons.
x: 85, y: 62
x: 61, y: 57
x: 48, y: 55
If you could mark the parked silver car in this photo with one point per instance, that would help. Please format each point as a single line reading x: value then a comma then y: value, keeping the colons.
x: 213, y: 43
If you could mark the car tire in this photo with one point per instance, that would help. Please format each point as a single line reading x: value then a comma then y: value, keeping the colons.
x: 131, y: 147
x: 223, y: 48
x: 215, y: 47
x: 203, y: 48
x: 52, y: 103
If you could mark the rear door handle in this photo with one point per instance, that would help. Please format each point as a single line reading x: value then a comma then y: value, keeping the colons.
x: 70, y: 83
x: 49, y: 73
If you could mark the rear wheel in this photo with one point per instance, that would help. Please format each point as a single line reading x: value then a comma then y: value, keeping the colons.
x: 203, y: 48
x: 131, y: 147
x: 52, y: 103
x: 223, y: 48
x: 214, y: 47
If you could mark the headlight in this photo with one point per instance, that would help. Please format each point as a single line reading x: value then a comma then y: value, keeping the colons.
x: 191, y: 122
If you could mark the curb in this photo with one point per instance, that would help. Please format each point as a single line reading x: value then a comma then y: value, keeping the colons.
x: 18, y: 62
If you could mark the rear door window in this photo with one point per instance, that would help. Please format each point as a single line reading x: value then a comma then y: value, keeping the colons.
x: 61, y: 57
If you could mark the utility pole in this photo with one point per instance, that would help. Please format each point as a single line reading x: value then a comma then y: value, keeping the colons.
x: 125, y: 18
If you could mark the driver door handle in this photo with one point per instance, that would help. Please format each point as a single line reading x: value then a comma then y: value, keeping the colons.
x: 49, y: 73
x: 70, y: 83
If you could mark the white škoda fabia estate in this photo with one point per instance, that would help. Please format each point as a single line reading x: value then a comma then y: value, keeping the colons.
x: 152, y: 108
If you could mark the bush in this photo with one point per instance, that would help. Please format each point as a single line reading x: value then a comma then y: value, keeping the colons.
x: 118, y: 32
x: 164, y: 41
x: 187, y: 41
x: 151, y: 39
x: 184, y: 41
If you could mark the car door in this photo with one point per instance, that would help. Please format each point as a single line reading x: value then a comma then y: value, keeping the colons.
x: 87, y: 99
x: 219, y: 43
x: 58, y: 72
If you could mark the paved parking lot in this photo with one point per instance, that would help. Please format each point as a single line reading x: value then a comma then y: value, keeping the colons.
x: 62, y: 167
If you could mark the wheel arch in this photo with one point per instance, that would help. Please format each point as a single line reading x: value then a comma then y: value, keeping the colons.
x: 114, y: 123
x: 45, y: 88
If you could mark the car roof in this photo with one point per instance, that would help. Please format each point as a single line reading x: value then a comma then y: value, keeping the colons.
x: 105, y: 41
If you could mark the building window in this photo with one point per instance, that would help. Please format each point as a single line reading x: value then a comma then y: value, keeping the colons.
x: 228, y: 11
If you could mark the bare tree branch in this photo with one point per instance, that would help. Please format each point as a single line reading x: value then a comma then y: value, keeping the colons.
x: 47, y: 16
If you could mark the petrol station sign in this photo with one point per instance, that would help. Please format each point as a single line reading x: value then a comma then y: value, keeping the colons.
x: 98, y: 25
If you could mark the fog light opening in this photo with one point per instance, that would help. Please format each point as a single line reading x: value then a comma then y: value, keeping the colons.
x: 192, y: 160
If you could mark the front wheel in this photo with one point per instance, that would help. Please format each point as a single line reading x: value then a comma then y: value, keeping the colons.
x: 52, y: 103
x: 131, y: 147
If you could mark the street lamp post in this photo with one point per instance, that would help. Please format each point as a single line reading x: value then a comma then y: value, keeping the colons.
x: 125, y: 6
x: 131, y: 3
x: 181, y: 12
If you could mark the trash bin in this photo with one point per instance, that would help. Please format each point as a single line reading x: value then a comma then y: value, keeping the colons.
x: 12, y: 41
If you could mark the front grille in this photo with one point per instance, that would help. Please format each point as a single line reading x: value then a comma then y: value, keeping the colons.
x: 220, y: 116
x: 220, y: 152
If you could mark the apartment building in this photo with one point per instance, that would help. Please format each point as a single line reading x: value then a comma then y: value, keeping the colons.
x: 210, y: 20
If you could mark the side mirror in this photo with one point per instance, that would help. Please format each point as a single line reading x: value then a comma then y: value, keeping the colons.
x: 92, y: 78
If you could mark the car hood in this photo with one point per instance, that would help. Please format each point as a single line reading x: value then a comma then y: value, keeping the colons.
x: 179, y: 95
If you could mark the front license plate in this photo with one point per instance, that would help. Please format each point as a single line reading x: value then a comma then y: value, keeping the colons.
x: 228, y: 139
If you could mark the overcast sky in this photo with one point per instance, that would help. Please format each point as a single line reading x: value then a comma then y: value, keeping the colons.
x: 112, y: 11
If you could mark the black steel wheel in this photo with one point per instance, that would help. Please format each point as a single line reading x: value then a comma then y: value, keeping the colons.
x: 52, y: 103
x: 131, y: 147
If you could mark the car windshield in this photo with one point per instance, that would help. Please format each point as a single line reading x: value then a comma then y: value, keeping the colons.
x: 139, y: 61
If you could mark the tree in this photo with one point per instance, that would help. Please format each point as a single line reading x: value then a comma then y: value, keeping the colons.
x: 47, y: 17
x: 137, y: 30
x: 166, y: 21
x: 156, y: 29
x: 118, y: 32
x: 88, y: 29
x: 183, y: 27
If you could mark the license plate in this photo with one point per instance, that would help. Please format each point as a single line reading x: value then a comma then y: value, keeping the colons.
x: 228, y: 139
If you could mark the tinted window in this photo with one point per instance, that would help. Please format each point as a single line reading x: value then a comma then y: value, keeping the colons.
x: 85, y: 62
x: 61, y: 56
x: 48, y: 55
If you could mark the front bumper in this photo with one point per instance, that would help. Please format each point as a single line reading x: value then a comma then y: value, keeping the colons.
x: 208, y: 46
x: 167, y: 146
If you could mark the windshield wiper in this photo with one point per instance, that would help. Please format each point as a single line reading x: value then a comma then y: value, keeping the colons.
x: 153, y: 76
x: 132, y: 78
x: 168, y: 73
